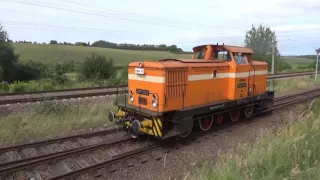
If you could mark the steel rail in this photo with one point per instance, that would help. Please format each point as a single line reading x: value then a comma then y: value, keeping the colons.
x: 62, y: 155
x: 102, y: 164
x: 62, y: 90
x: 57, y: 140
x: 125, y: 85
x: 130, y: 154
x: 32, y: 162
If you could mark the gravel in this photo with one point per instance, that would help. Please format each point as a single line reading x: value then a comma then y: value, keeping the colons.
x: 184, y: 160
x: 24, y: 96
x: 180, y: 162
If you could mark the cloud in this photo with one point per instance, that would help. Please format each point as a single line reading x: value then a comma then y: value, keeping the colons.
x: 296, y: 27
x: 166, y: 21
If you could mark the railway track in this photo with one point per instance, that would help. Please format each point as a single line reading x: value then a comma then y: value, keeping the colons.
x: 29, y: 97
x: 111, y: 153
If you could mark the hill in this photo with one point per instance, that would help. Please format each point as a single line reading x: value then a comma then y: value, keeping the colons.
x: 47, y: 53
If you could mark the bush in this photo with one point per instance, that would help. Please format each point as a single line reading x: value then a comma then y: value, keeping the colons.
x: 279, y: 64
x: 17, y: 86
x: 30, y: 70
x: 57, y: 72
x: 97, y: 67
x: 51, y: 108
x: 8, y: 59
x: 69, y: 66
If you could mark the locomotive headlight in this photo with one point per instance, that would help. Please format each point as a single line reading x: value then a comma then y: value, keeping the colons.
x: 154, y: 101
x: 131, y: 96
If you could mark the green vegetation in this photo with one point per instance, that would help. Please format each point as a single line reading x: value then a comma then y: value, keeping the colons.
x: 297, y: 60
x: 261, y: 40
x: 50, y: 119
x: 291, y: 153
x: 283, y: 86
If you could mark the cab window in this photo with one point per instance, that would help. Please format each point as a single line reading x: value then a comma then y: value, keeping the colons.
x: 199, y: 55
x: 223, y: 55
x: 239, y: 58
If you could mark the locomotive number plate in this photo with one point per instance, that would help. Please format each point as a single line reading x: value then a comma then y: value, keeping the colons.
x: 143, y: 92
x: 242, y: 85
x: 139, y: 70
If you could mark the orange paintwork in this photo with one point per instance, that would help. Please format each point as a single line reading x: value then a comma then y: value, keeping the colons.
x: 171, y: 78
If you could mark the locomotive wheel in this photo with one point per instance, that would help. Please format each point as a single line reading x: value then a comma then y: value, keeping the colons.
x: 205, y: 123
x: 248, y: 110
x: 234, y: 115
x: 134, y: 136
x: 219, y: 119
x: 183, y: 135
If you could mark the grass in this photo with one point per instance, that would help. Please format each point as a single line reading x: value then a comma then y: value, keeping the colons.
x: 283, y: 86
x: 291, y: 153
x: 50, y: 53
x: 297, y: 60
x: 51, y: 119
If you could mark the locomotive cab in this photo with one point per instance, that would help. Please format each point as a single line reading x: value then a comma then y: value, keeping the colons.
x: 243, y: 81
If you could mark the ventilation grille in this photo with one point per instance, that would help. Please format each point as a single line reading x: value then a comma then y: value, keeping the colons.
x: 176, y: 80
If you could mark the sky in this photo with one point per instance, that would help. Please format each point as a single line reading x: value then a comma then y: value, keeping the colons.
x: 183, y: 23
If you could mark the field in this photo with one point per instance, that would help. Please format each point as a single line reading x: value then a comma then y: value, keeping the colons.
x: 50, y: 53
x: 297, y: 60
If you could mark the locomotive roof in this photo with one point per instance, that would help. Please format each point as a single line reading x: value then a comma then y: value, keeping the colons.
x: 172, y: 63
x: 238, y: 49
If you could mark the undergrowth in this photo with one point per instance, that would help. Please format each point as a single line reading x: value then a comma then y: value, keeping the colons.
x: 291, y: 153
x: 51, y: 119
x: 282, y: 86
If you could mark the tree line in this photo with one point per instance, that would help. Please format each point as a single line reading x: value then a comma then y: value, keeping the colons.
x: 125, y: 46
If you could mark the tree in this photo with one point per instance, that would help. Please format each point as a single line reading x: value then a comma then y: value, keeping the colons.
x: 261, y: 40
x: 3, y: 34
x: 7, y: 57
x: 97, y: 67
x: 53, y: 42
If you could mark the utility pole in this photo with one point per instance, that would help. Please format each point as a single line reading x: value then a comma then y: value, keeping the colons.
x: 317, y: 51
x: 273, y: 47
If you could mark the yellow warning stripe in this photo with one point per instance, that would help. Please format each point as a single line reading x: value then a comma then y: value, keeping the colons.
x: 160, y: 123
x: 157, y: 127
x: 154, y: 131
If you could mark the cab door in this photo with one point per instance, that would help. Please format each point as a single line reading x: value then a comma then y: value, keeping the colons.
x: 242, y: 78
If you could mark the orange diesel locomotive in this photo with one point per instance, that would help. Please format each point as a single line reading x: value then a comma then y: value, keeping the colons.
x: 170, y: 97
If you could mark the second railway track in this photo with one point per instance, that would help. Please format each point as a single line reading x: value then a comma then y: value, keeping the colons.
x: 115, y: 151
x: 29, y: 97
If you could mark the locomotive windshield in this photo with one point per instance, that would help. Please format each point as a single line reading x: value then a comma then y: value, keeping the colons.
x: 222, y: 55
x: 199, y: 54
